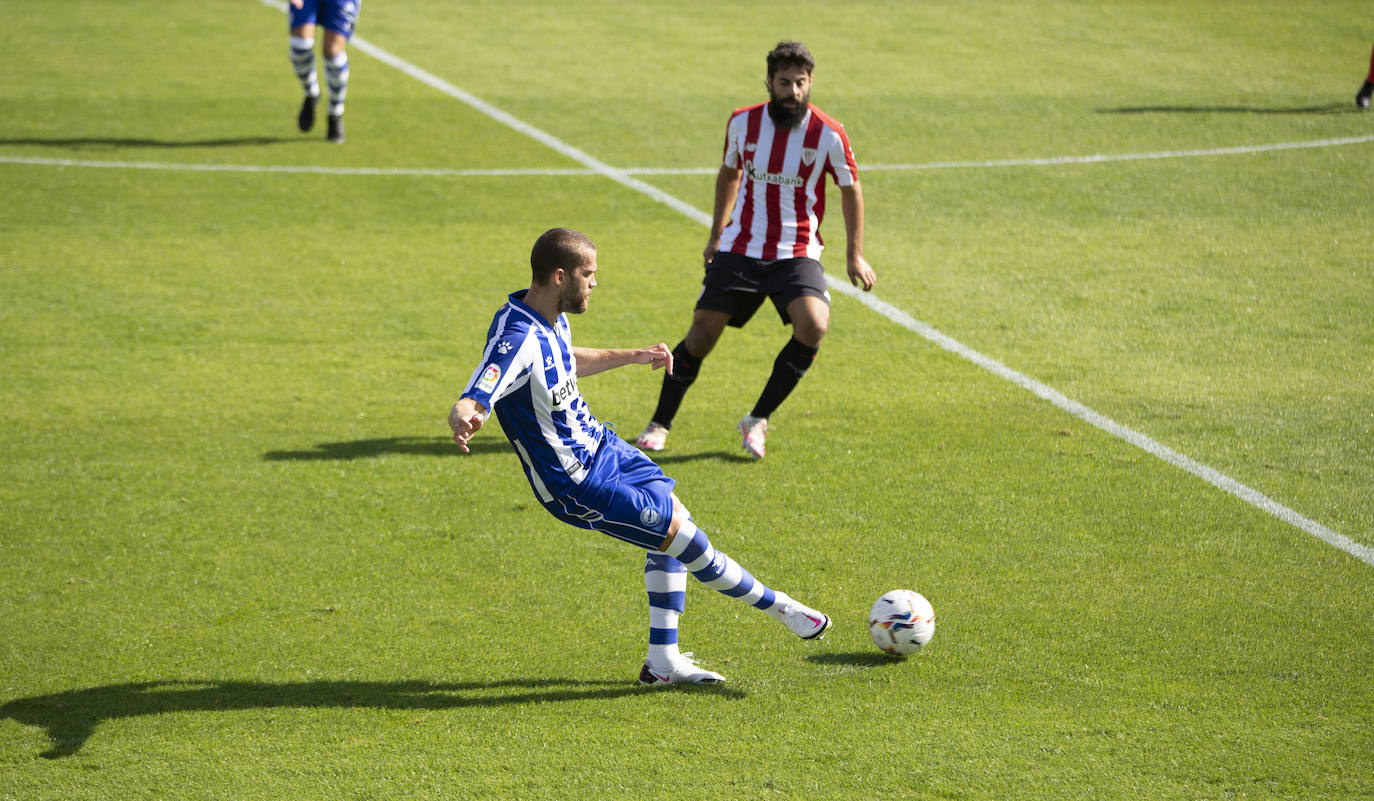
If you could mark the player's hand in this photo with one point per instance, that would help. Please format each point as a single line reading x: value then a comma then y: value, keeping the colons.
x: 861, y: 273
x: 658, y: 357
x: 298, y: 4
x: 465, y: 420
x: 712, y: 248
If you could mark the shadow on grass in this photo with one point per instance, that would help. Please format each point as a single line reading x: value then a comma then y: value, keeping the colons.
x: 1330, y: 108
x: 716, y: 456
x: 369, y: 448
x: 443, y: 446
x: 92, y: 141
x: 866, y: 659
x: 71, y: 717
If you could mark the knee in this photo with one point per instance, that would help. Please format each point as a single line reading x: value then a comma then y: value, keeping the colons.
x: 334, y: 44
x: 701, y: 339
x: 810, y: 332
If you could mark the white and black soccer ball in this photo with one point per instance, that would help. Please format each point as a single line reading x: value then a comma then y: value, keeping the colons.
x: 901, y: 622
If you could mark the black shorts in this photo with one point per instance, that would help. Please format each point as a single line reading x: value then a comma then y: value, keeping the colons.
x: 737, y: 285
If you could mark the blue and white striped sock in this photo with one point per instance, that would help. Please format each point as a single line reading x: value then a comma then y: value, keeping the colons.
x: 716, y: 570
x: 303, y: 61
x: 665, y: 579
x: 336, y: 70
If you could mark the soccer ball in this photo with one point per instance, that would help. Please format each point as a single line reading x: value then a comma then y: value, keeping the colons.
x: 901, y: 622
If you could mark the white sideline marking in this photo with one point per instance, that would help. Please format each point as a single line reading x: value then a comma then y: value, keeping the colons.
x: 887, y: 310
x: 1210, y: 475
x: 605, y: 170
x: 288, y: 168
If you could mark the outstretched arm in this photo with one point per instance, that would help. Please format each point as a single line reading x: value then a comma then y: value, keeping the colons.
x: 466, y: 416
x: 595, y: 360
x: 852, y: 205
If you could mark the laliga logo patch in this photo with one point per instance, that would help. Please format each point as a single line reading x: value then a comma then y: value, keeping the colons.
x: 649, y: 516
x: 489, y: 378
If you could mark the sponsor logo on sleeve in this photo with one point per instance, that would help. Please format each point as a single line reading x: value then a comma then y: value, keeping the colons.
x: 489, y: 378
x: 503, y: 347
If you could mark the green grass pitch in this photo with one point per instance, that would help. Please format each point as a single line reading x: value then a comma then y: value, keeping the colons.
x: 241, y: 559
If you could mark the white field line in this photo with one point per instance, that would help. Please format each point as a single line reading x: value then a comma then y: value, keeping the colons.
x: 1210, y: 475
x: 887, y: 310
x: 599, y: 169
x: 289, y: 168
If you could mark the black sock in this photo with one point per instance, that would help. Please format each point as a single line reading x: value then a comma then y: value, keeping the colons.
x: 685, y: 367
x: 792, y: 363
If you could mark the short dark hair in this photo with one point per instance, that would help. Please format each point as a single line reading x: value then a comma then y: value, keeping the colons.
x: 790, y: 54
x: 559, y: 247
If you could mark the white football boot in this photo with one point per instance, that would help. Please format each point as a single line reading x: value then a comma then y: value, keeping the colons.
x: 802, y: 621
x: 754, y: 430
x: 680, y: 669
x: 653, y: 438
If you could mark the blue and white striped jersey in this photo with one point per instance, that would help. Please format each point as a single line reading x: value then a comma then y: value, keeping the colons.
x: 529, y: 376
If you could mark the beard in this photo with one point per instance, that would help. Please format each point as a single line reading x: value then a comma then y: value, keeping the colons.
x: 784, y: 117
x: 573, y: 301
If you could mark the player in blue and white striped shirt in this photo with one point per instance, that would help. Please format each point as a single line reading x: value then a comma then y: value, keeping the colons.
x: 588, y: 477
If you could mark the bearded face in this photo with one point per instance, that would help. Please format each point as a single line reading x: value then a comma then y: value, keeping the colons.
x: 578, y: 290
x: 789, y: 91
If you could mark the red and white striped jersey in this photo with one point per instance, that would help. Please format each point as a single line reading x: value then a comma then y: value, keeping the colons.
x: 781, y: 198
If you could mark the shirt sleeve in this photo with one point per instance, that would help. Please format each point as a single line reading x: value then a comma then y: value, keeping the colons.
x: 505, y: 366
x: 734, y: 138
x: 840, y: 158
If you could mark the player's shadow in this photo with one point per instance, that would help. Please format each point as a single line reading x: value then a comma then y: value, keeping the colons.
x: 1329, y: 108
x: 71, y: 718
x: 130, y: 141
x: 371, y: 448
x: 715, y: 456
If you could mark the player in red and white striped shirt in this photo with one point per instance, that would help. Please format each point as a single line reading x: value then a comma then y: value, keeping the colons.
x: 765, y: 239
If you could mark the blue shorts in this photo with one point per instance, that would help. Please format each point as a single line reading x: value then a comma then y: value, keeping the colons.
x: 338, y: 16
x: 624, y: 495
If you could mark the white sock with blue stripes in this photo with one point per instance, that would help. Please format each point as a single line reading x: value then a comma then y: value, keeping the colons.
x: 665, y: 580
x: 336, y: 70
x: 716, y: 570
x: 303, y: 61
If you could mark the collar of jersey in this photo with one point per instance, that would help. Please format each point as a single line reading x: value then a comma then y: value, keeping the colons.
x: 517, y: 299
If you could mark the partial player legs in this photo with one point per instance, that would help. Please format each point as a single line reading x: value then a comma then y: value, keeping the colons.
x: 705, y: 331
x: 336, y: 71
x: 665, y: 580
x: 716, y: 570
x: 810, y: 321
x: 1362, y: 98
x: 303, y: 62
x: 675, y: 386
x: 691, y: 550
